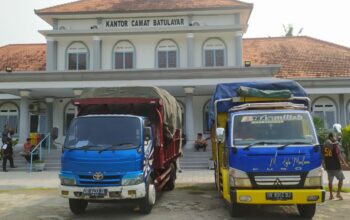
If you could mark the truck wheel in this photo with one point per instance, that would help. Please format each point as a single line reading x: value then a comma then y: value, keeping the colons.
x: 77, y: 206
x: 235, y: 210
x: 148, y: 202
x: 307, y: 211
x: 170, y: 185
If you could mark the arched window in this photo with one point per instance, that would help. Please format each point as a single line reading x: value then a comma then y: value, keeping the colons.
x: 348, y: 112
x: 167, y: 52
x: 206, y: 117
x: 77, y: 55
x: 9, y: 116
x: 214, y: 51
x: 325, y: 108
x: 69, y: 113
x: 124, y: 55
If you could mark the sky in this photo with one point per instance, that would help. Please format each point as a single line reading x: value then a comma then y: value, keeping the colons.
x: 327, y: 20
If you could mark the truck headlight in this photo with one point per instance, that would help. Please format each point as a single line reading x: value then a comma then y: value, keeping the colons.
x: 314, y: 177
x: 239, y: 178
x: 67, y: 180
x: 132, y: 179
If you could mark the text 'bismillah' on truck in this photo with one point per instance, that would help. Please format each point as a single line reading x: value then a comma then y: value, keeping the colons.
x: 122, y: 146
x: 265, y: 147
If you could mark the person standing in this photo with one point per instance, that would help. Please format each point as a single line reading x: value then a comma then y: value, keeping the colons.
x: 332, y: 162
x: 5, y: 134
x: 7, y: 154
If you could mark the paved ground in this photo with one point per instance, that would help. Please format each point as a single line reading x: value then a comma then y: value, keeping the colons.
x: 35, y: 196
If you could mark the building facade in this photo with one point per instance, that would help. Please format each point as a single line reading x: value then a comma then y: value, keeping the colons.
x: 185, y: 47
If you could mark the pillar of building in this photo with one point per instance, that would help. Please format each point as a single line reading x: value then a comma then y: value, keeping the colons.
x: 24, y: 116
x: 190, y: 134
x: 342, y: 118
x: 51, y: 54
x: 238, y: 49
x: 190, y: 50
x: 238, y: 42
x: 96, y: 53
x: 49, y: 114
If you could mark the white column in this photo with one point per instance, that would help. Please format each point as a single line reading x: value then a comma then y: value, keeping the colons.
x: 51, y: 54
x: 49, y: 113
x: 190, y: 50
x: 190, y: 134
x: 24, y: 116
x: 96, y: 50
x: 342, y: 110
x: 238, y: 49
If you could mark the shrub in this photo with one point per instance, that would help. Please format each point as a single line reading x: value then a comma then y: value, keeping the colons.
x: 346, y: 140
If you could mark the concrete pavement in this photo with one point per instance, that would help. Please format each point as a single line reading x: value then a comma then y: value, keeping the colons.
x: 49, y: 179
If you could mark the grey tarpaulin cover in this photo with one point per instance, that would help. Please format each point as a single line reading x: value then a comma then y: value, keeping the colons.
x: 172, y: 115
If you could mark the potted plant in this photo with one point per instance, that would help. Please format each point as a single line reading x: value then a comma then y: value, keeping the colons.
x: 39, y: 165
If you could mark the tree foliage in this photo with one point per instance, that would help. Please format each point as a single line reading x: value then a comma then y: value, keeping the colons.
x: 289, y: 30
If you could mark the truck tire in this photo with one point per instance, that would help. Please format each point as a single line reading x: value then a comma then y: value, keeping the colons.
x: 236, y: 210
x: 307, y: 211
x: 147, y: 203
x: 77, y: 206
x: 170, y: 185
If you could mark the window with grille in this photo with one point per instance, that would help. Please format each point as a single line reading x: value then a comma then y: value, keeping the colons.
x: 167, y: 52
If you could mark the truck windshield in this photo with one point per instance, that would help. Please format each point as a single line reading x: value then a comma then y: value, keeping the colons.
x: 96, y: 133
x: 273, y: 128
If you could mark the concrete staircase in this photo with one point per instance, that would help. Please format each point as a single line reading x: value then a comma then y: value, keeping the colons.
x: 191, y: 160
x: 195, y: 160
x: 52, y: 160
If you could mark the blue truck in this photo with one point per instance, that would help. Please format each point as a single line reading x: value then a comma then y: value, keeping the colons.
x: 265, y: 147
x: 121, y: 146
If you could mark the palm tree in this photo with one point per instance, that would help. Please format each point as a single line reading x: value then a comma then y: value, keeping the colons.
x: 289, y: 30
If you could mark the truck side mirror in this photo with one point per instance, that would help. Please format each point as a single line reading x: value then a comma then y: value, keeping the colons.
x: 220, y: 135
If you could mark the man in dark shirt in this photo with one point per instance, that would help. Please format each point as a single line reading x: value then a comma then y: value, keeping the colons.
x: 7, y: 151
x: 332, y: 162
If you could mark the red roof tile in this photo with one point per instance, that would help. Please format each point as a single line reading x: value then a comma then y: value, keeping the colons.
x: 107, y: 6
x: 300, y: 57
x: 23, y: 57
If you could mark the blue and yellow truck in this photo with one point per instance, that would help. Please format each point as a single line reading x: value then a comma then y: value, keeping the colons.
x: 264, y: 146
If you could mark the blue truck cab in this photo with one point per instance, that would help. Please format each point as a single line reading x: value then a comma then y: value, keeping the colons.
x: 265, y: 147
x: 107, y: 157
x: 122, y: 145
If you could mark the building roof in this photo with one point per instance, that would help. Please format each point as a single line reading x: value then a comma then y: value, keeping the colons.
x: 300, y: 57
x: 23, y: 57
x: 110, y: 6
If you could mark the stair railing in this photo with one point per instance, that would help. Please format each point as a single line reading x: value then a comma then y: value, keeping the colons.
x: 39, y: 145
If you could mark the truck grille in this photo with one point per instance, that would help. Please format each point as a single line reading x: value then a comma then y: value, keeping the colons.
x: 277, y: 180
x: 108, y: 180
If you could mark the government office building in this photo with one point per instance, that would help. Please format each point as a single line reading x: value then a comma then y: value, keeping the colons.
x: 185, y: 47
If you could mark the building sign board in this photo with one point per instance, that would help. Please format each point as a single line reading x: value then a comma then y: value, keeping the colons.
x: 145, y: 22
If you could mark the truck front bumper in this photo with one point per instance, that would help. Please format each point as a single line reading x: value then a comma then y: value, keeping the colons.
x: 298, y: 196
x: 113, y: 193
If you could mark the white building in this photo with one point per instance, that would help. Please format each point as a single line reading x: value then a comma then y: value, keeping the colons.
x: 186, y: 47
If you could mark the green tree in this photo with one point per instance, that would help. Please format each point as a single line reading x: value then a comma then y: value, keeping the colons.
x: 289, y: 30
x: 320, y: 130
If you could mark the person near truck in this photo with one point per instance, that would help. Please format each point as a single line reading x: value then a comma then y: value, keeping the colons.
x: 332, y: 161
x: 7, y: 152
x: 200, y: 142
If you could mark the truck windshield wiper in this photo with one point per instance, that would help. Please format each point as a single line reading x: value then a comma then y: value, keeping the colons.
x: 85, y: 147
x: 257, y: 143
x: 297, y: 142
x: 115, y: 145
